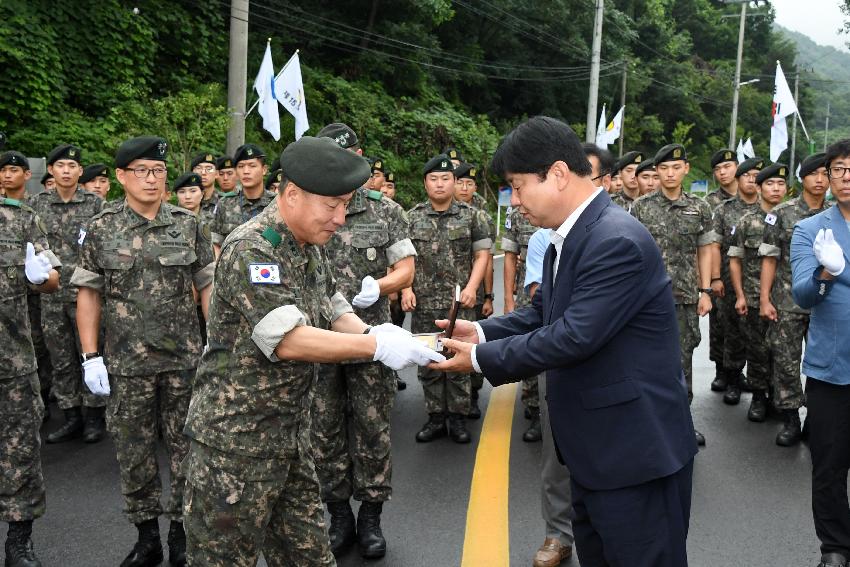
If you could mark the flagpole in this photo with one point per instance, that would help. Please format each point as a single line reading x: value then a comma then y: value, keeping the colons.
x: 253, y: 106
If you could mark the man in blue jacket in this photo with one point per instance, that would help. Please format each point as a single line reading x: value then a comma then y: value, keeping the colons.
x: 820, y: 248
x: 603, y: 328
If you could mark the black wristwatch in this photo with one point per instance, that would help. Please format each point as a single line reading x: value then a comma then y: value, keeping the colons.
x: 89, y: 355
x: 707, y: 290
x: 489, y: 296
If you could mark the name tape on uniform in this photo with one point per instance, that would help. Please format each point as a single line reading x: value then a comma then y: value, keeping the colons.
x: 264, y: 273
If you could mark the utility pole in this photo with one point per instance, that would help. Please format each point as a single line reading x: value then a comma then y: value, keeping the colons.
x: 237, y: 73
x: 595, y: 57
x: 733, y: 126
x: 794, y: 120
x: 826, y: 129
x: 623, y: 105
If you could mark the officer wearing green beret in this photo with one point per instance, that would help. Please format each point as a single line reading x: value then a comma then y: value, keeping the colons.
x: 95, y: 179
x: 626, y: 167
x: 276, y: 311
x: 681, y: 226
x: 139, y: 262
x: 204, y: 164
x: 225, y: 174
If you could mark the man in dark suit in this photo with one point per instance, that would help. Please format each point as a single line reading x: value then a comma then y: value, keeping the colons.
x: 603, y: 328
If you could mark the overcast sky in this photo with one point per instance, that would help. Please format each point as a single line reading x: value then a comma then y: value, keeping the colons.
x: 818, y: 19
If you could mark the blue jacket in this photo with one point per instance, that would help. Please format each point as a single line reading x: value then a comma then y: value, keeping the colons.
x: 827, y: 354
x: 607, y: 337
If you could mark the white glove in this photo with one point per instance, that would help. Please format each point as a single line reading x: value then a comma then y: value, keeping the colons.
x: 36, y: 267
x: 397, y: 351
x: 828, y: 252
x: 96, y: 377
x: 370, y: 291
x: 389, y: 328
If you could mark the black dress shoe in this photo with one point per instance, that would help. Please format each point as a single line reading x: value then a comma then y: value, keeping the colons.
x: 434, y: 429
x: 71, y: 429
x: 732, y: 395
x: 700, y: 438
x: 342, y: 529
x: 758, y: 407
x: 370, y: 538
x: 457, y: 429
x: 832, y: 560
x: 719, y: 382
x: 533, y: 434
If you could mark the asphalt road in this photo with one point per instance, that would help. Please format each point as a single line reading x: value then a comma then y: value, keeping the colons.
x: 751, y: 499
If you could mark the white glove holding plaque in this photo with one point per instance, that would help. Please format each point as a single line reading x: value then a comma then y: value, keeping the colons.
x: 96, y: 377
x: 36, y: 266
x: 398, y: 351
x: 370, y: 292
x: 829, y: 252
x: 389, y: 328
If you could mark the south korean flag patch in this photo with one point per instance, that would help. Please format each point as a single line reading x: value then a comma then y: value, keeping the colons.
x: 82, y: 236
x: 770, y: 219
x: 264, y: 273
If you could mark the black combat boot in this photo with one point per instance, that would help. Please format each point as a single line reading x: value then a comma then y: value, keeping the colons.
x: 533, y: 433
x: 72, y: 429
x: 791, y: 432
x: 719, y: 382
x: 148, y: 550
x: 758, y: 406
x: 341, y: 531
x: 176, y: 544
x: 434, y: 429
x: 733, y: 388
x: 832, y: 560
x: 457, y: 429
x: 369, y: 535
x: 94, y: 427
x: 19, y: 550
x: 474, y: 409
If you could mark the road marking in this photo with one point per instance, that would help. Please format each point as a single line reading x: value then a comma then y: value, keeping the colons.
x: 486, y: 541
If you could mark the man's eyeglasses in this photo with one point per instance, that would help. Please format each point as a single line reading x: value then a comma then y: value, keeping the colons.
x: 207, y: 169
x: 143, y: 172
x: 837, y: 172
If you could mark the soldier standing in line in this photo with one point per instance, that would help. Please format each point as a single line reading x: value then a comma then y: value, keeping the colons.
x: 388, y: 188
x: 273, y: 180
x: 681, y: 226
x: 453, y: 244
x: 95, y: 179
x: 48, y: 182
x: 626, y: 168
x: 646, y: 177
x: 139, y: 262
x: 225, y: 174
x: 204, y: 165
x: 788, y: 322
x: 377, y: 180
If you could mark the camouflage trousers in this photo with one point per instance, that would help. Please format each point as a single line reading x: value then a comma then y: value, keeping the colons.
x: 351, y: 431
x: 715, y: 333
x: 734, y: 347
x: 444, y: 392
x: 785, y: 341
x: 21, y: 481
x: 237, y: 506
x: 530, y: 393
x: 754, y: 331
x: 138, y: 406
x: 689, y: 339
x: 59, y: 321
x: 42, y: 356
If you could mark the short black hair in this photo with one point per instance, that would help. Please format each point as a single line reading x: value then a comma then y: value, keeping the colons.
x: 606, y: 158
x: 537, y: 143
x: 839, y: 149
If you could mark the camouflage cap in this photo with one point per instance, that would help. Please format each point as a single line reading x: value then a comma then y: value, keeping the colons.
x: 64, y: 151
x: 141, y: 147
x: 94, y: 170
x: 723, y: 155
x: 441, y: 162
x: 465, y: 171
x: 629, y: 158
x: 188, y: 179
x: 774, y: 170
x: 14, y: 158
x: 248, y: 151
x: 205, y: 157
x: 321, y: 166
x: 812, y: 163
x: 340, y: 133
x: 748, y: 165
x: 670, y: 152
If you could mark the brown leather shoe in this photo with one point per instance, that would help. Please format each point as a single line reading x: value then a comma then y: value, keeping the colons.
x: 552, y: 553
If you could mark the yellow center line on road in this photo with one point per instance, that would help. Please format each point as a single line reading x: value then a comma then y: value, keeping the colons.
x: 486, y: 542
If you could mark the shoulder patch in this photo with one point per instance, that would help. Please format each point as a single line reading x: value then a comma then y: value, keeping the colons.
x: 264, y: 273
x: 770, y: 218
x: 272, y: 236
x: 375, y: 195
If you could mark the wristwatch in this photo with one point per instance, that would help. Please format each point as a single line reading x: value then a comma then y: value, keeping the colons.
x: 489, y: 296
x: 89, y: 355
x: 707, y: 290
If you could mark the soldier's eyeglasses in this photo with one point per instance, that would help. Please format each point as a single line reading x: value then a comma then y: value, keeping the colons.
x: 143, y: 172
x: 208, y: 169
x: 838, y: 172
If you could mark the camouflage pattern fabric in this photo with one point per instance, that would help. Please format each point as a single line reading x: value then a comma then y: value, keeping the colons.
x: 716, y: 197
x: 785, y: 341
x: 208, y: 207
x: 479, y: 202
x: 689, y: 339
x: 754, y: 332
x: 42, y: 355
x: 620, y: 198
x: 715, y: 331
x: 234, y: 209
x: 734, y: 346
x: 748, y: 239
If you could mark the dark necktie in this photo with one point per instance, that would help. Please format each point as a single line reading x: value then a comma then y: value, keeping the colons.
x: 552, y: 254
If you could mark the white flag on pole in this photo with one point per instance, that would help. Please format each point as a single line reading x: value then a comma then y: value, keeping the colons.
x: 783, y: 105
x: 264, y: 85
x: 600, y: 129
x: 748, y: 148
x: 740, y: 151
x: 289, y: 89
x: 612, y: 131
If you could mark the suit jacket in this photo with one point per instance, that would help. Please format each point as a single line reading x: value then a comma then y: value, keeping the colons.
x: 827, y: 355
x: 607, y: 336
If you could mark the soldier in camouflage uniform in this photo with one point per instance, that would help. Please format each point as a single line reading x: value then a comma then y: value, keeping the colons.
x: 276, y: 310
x: 22, y: 235
x: 788, y: 322
x: 723, y: 164
x: 646, y: 176
x: 204, y: 165
x: 225, y: 174
x: 141, y: 258
x: 66, y: 212
x: 626, y: 167
x: 681, y: 226
x: 745, y: 272
x: 453, y: 243
x: 95, y: 179
x: 724, y: 222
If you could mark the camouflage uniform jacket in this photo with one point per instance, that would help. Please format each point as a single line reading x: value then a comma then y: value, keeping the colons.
x: 67, y: 225
x: 234, y: 209
x: 679, y: 227
x: 724, y: 222
x: 207, y: 212
x: 144, y: 270
x: 479, y: 202
x: 374, y: 237
x: 518, y: 232
x: 245, y: 400
x: 446, y: 242
x: 777, y: 243
x: 716, y: 197
x: 19, y: 224
x: 620, y: 198
x: 748, y: 238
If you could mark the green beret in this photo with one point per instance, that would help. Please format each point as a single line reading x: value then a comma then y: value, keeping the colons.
x: 440, y: 162
x: 340, y: 133
x: 14, y: 158
x: 812, y: 163
x: 321, y: 166
x: 94, y: 170
x: 202, y: 158
x: 453, y: 153
x: 45, y: 178
x: 670, y: 152
x: 644, y: 165
x: 749, y: 164
x: 142, y: 147
x: 65, y: 151
x: 189, y: 179
x: 774, y: 170
x: 224, y: 162
x: 630, y: 158
x: 274, y: 177
x: 248, y: 151
x: 389, y: 176
x: 723, y: 155
x: 465, y: 171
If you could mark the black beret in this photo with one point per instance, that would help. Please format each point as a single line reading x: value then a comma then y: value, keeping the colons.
x: 142, y: 147
x: 749, y: 164
x: 274, y: 177
x: 628, y: 159
x: 670, y: 152
x: 779, y: 170
x: 378, y: 165
x: 811, y: 163
x: 723, y: 155
x: 340, y: 133
x: 65, y: 151
x: 45, y: 178
x: 321, y: 166
x: 14, y: 158
x: 202, y: 158
x: 189, y: 179
x: 246, y: 152
x: 644, y: 165
x: 465, y: 171
x: 453, y: 153
x: 390, y: 177
x: 441, y: 162
x: 94, y: 170
x: 224, y: 162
